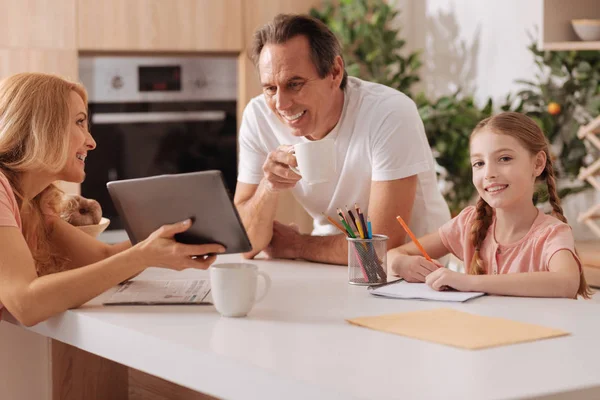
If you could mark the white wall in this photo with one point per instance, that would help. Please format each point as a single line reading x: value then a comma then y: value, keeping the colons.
x: 480, y: 46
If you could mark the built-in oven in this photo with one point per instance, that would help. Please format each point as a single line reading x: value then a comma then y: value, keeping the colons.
x: 156, y: 115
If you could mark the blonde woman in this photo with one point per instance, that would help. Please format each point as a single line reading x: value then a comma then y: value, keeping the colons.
x: 44, y: 138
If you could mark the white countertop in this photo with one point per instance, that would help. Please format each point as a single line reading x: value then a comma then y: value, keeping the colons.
x: 113, y: 236
x: 296, y: 344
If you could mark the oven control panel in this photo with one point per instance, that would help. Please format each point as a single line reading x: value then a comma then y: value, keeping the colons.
x: 159, y: 79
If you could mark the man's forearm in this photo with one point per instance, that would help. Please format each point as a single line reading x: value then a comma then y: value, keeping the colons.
x: 325, y: 249
x: 257, y: 214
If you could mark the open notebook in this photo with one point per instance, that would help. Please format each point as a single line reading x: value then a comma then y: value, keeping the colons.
x: 404, y: 290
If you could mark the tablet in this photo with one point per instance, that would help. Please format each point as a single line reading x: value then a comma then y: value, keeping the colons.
x: 145, y: 204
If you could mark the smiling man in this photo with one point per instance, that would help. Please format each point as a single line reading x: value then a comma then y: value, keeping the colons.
x: 382, y: 156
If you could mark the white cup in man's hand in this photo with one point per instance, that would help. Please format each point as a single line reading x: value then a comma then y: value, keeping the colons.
x: 233, y: 288
x: 316, y: 161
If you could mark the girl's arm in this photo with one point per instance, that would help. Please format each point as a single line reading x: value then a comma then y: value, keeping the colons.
x: 562, y: 280
x: 408, y: 262
x: 79, y: 247
x: 432, y: 243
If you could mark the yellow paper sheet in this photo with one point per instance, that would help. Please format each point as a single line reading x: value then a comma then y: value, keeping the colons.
x: 457, y: 328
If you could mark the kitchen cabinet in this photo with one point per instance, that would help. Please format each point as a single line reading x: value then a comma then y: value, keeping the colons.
x: 38, y: 36
x: 160, y: 25
x: 53, y: 61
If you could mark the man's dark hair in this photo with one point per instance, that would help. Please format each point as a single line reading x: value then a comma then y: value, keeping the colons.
x: 324, y: 46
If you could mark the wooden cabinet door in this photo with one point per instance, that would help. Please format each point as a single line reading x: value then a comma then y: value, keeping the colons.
x: 160, y: 25
x: 38, y: 36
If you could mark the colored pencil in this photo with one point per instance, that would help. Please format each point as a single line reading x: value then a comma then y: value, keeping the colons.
x: 356, y: 223
x: 361, y: 220
x: 352, y: 218
x: 413, y: 237
x: 345, y: 224
x: 336, y: 224
x: 364, y: 229
x: 380, y: 271
x: 341, y: 214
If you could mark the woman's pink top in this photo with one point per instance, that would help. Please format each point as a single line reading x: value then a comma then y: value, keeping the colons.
x: 531, y: 253
x: 9, y: 209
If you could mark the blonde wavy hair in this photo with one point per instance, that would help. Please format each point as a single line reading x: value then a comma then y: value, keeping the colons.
x: 530, y: 135
x: 34, y: 123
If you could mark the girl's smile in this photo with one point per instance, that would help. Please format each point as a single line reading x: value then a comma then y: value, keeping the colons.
x: 495, y: 188
x: 504, y: 171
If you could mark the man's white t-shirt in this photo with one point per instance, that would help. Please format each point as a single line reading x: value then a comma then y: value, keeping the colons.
x: 379, y: 137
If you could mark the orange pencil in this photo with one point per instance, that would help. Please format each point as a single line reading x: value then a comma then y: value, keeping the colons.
x: 336, y: 224
x: 413, y: 237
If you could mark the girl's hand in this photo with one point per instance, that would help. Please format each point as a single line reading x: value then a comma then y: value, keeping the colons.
x: 161, y: 250
x: 444, y: 278
x: 412, y: 268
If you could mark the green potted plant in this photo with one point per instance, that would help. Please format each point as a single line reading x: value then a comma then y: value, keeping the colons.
x: 372, y: 49
x: 449, y: 121
x: 563, y: 95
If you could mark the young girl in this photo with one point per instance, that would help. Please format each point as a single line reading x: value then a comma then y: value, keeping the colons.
x: 44, y: 137
x: 509, y: 247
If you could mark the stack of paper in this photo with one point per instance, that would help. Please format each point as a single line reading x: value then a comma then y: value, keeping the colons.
x: 142, y: 292
x: 405, y: 290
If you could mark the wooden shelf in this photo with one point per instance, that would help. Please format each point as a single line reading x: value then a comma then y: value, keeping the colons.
x: 557, y: 32
x: 572, y: 45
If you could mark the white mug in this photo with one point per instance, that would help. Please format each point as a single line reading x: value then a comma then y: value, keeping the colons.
x: 233, y: 288
x: 316, y: 160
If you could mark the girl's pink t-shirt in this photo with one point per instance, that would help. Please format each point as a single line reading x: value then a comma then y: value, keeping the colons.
x: 531, y: 253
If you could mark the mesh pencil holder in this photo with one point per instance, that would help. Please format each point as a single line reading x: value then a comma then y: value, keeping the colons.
x: 367, y: 260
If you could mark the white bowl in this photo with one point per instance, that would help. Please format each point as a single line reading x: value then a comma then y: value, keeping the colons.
x: 587, y: 29
x: 95, y: 230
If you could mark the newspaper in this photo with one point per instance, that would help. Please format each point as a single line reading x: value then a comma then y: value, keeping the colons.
x: 149, y: 292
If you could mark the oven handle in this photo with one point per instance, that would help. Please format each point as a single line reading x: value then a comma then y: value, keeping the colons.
x: 157, y: 117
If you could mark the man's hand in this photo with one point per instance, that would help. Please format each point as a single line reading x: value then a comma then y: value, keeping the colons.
x: 277, y: 174
x: 286, y: 242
